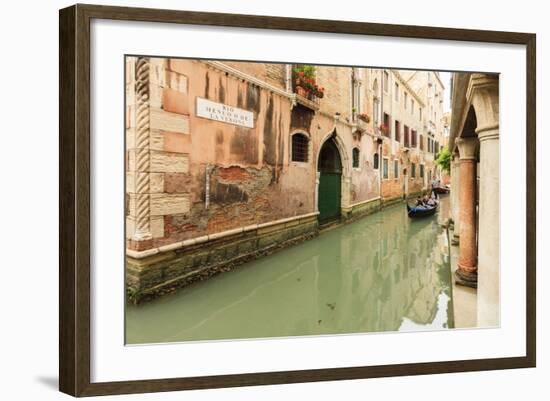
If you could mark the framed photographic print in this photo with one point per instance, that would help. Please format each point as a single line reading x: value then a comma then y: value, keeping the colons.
x: 251, y: 200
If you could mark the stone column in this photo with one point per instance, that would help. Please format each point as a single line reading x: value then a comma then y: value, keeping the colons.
x: 489, y: 256
x: 466, y: 274
x: 142, y: 235
x: 455, y: 192
x: 485, y: 99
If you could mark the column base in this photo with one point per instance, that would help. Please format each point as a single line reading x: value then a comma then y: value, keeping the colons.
x: 465, y: 278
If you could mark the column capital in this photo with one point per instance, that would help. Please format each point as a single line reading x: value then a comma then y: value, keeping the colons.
x: 488, y: 132
x: 455, y: 156
x: 483, y: 94
x: 467, y: 148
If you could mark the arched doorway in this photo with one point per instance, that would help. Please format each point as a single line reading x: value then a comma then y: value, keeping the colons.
x: 330, y: 181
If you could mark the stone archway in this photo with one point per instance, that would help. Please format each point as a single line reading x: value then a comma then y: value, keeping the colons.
x: 329, y: 170
x: 346, y: 162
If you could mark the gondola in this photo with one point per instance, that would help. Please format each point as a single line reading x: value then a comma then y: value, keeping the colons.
x: 421, y: 211
x: 441, y: 190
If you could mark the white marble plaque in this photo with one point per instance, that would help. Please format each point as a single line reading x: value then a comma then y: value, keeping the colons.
x: 224, y: 113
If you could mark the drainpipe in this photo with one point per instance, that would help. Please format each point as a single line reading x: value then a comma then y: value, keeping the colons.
x: 380, y: 170
x: 289, y: 78
x: 381, y: 118
x: 208, y: 170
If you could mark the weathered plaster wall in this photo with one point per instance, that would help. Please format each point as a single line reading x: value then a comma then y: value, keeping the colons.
x: 273, y: 74
x: 245, y: 164
x: 337, y: 82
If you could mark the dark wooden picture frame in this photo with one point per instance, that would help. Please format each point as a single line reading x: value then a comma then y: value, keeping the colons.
x: 74, y: 202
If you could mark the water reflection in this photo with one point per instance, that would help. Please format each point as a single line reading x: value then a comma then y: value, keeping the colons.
x: 382, y: 273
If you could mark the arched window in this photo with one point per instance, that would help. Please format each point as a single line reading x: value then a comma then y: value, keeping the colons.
x: 355, y: 154
x: 300, y: 148
x: 376, y: 161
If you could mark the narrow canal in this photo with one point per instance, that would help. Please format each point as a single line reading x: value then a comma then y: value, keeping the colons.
x: 384, y: 272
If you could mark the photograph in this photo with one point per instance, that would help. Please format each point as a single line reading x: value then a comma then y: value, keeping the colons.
x: 269, y: 200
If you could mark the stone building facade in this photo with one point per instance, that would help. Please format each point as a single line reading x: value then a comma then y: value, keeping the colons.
x: 412, y: 114
x: 225, y: 161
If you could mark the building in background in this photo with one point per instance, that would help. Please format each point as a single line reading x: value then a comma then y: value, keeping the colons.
x: 228, y: 161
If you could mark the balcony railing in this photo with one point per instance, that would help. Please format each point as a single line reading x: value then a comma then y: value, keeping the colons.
x: 307, y: 98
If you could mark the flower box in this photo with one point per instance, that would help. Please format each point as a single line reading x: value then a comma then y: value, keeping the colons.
x: 364, y: 117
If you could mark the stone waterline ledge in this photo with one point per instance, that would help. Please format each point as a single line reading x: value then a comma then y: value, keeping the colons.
x: 361, y: 209
x: 206, y: 238
x: 161, y: 270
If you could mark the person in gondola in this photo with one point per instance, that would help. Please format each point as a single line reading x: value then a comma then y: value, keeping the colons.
x: 419, y: 202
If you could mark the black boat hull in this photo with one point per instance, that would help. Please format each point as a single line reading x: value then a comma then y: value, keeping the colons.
x: 414, y: 212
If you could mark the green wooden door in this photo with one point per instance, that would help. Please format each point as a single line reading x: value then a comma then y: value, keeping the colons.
x: 329, y: 196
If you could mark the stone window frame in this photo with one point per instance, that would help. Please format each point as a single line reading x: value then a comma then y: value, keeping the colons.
x: 386, y: 167
x: 413, y: 171
x: 414, y: 138
x: 406, y: 136
x: 387, y: 121
x: 356, y: 83
x: 376, y: 161
x: 356, y: 152
x: 397, y: 131
x: 309, y: 150
x: 422, y: 168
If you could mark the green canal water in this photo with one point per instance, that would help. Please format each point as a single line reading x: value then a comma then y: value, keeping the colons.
x: 384, y: 272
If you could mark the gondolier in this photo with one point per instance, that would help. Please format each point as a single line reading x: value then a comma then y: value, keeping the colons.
x: 424, y: 207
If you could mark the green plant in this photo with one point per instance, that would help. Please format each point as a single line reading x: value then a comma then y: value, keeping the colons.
x: 133, y: 295
x: 365, y: 117
x: 444, y: 159
x: 304, y: 77
x: 304, y: 71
